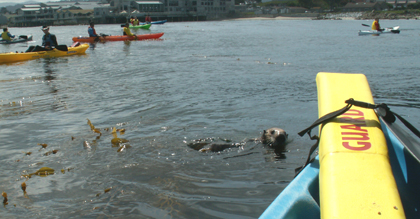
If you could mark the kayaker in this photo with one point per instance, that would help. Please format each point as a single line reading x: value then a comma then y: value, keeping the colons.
x: 376, y: 26
x: 131, y: 20
x: 127, y: 31
x: 148, y: 19
x: 6, y: 35
x: 92, y: 31
x: 136, y: 21
x: 49, y: 41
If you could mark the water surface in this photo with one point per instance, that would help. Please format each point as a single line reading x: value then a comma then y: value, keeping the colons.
x: 203, y: 80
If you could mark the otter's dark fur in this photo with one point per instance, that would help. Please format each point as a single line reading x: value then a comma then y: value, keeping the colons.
x: 275, y: 138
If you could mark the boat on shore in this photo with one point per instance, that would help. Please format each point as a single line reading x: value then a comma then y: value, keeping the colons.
x: 376, y: 32
x: 20, y: 39
x: 149, y: 36
x: 23, y: 56
x: 368, y: 165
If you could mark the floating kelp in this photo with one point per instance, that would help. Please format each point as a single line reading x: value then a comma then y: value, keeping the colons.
x: 23, y: 186
x: 43, y: 172
x: 105, y: 191
x: 43, y: 145
x: 92, y: 127
x: 167, y: 200
x: 4, y: 198
x: 68, y: 170
x: 121, y: 131
x: 116, y: 141
x: 27, y: 153
x: 51, y: 152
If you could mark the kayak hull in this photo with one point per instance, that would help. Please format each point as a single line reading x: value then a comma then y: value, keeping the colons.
x: 145, y: 26
x: 157, y: 22
x: 375, y: 32
x: 117, y: 38
x: 20, y: 39
x: 16, y: 57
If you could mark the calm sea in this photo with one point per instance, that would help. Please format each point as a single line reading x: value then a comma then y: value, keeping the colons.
x: 215, y: 81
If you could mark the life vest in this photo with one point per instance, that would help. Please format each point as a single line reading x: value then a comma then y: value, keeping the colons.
x: 375, y: 25
x: 5, y: 36
x: 47, y: 41
x: 136, y: 22
x: 92, y: 32
x: 127, y: 31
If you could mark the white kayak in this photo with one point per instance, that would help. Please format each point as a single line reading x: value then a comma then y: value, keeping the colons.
x: 375, y: 32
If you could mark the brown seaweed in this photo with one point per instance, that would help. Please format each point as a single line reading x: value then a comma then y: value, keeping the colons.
x: 92, y: 127
x: 4, y: 198
x: 43, y: 172
x: 116, y: 141
x: 43, y: 145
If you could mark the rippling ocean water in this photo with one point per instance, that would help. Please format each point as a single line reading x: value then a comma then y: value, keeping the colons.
x: 220, y: 81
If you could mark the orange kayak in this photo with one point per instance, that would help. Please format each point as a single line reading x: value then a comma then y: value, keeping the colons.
x: 117, y: 38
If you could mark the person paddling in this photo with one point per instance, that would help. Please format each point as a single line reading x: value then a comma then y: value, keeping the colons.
x: 136, y: 21
x: 376, y: 26
x: 148, y: 19
x: 92, y: 31
x: 49, y: 41
x: 127, y: 31
x: 6, y: 35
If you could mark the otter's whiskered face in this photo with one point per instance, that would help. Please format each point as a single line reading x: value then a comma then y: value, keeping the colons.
x: 274, y: 137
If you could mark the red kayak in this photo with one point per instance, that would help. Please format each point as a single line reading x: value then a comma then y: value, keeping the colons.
x: 117, y: 38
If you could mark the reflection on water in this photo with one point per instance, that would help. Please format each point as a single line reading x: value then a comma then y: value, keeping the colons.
x: 203, y: 80
x: 49, y: 73
x: 126, y: 48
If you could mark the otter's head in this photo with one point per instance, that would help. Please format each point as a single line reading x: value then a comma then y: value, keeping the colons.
x: 275, y: 138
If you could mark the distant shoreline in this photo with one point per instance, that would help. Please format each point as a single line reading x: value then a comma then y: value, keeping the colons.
x: 274, y: 18
x: 391, y: 15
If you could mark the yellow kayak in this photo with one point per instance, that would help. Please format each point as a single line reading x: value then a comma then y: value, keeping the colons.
x: 16, y: 57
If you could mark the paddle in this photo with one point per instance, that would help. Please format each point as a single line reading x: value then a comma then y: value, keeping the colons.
x: 365, y: 25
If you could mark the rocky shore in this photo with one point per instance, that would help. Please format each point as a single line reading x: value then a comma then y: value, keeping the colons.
x: 369, y: 15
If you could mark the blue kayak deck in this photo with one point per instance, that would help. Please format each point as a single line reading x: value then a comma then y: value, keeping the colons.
x: 300, y: 199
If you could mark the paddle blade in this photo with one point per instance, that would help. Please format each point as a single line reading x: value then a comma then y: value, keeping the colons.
x: 62, y: 48
x: 365, y: 25
x: 122, y: 25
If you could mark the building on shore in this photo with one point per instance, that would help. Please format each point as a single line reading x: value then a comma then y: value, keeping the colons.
x: 119, y: 11
x: 3, y: 20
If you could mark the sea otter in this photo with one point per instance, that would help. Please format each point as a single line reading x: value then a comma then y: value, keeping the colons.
x: 275, y: 138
